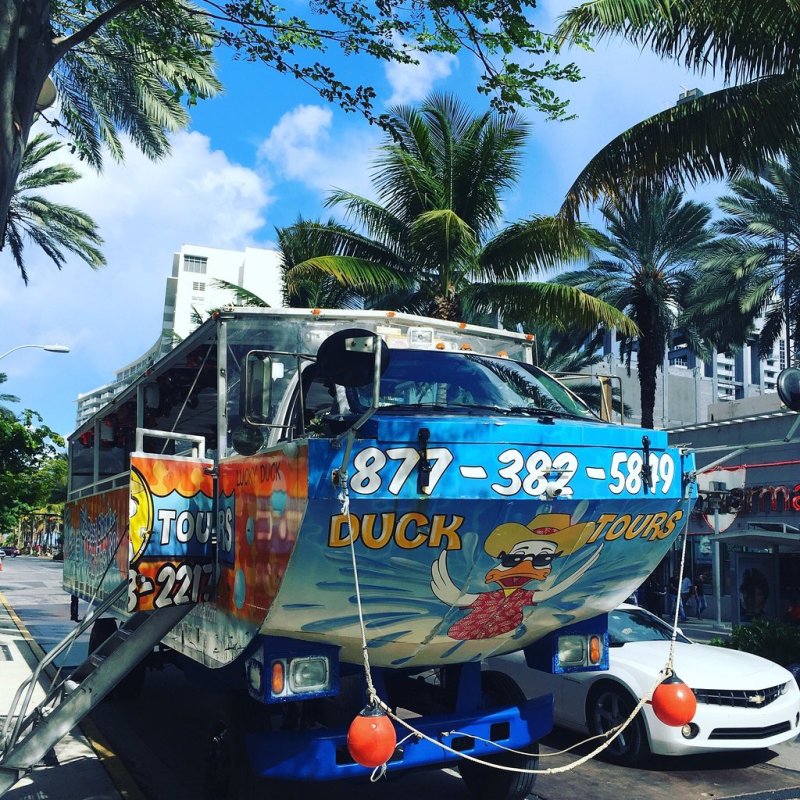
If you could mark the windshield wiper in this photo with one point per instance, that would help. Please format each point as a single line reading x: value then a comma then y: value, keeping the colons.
x: 538, y: 411
x: 457, y: 407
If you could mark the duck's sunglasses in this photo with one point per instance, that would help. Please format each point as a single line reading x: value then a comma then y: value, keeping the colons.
x: 536, y: 559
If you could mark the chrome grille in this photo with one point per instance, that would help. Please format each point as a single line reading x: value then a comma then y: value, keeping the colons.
x: 749, y: 698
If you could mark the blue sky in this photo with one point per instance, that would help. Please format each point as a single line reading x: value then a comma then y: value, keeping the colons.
x: 252, y: 160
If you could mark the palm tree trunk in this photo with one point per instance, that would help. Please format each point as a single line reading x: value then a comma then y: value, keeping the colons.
x: 447, y: 305
x: 650, y: 356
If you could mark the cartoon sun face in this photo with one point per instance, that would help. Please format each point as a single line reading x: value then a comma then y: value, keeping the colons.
x: 526, y: 561
x: 141, y: 516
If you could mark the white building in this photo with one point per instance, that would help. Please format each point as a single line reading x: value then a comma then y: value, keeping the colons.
x: 192, y: 291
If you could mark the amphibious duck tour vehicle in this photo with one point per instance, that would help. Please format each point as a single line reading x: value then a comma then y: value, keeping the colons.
x: 292, y: 493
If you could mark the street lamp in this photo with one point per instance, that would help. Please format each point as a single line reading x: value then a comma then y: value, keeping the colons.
x: 52, y: 348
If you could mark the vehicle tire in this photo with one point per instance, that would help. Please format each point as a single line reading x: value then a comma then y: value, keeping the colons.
x: 486, y: 783
x: 131, y: 686
x: 228, y: 772
x: 609, y: 705
x: 101, y: 630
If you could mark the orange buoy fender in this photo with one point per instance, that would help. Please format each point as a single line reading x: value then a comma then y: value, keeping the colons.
x: 371, y: 738
x: 674, y: 702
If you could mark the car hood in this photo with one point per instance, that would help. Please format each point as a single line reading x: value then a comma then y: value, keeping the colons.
x: 701, y: 666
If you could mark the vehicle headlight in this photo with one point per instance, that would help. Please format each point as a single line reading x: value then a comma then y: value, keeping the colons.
x: 571, y: 650
x: 308, y: 674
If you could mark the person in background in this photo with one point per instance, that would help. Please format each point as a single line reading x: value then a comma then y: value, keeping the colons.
x: 700, y: 595
x: 675, y: 599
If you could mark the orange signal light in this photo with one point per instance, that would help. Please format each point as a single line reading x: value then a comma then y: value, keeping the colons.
x: 595, y: 650
x: 278, y: 677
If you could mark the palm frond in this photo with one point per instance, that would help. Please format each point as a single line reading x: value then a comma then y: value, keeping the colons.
x: 563, y: 307
x: 708, y: 138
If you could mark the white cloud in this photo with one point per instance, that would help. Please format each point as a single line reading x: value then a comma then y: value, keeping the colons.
x: 145, y: 211
x: 305, y: 146
x: 411, y: 83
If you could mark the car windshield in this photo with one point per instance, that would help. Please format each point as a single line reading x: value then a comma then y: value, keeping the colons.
x: 636, y: 625
x: 464, y: 381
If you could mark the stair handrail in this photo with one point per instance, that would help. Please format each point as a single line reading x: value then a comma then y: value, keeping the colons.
x: 8, y: 740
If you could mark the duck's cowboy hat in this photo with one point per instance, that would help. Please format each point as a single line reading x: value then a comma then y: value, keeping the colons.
x: 554, y: 528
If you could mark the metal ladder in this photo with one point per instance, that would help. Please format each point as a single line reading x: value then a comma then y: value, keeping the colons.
x: 27, y: 737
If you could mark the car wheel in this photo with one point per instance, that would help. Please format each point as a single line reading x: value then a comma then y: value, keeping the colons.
x: 608, y: 706
x: 486, y: 783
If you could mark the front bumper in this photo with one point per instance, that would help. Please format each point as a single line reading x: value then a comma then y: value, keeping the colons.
x: 321, y: 755
x: 724, y: 728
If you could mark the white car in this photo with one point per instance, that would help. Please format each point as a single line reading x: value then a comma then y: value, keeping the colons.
x: 744, y: 702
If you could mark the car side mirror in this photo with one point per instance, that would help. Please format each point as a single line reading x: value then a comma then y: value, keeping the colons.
x: 353, y: 357
x: 256, y: 395
x: 788, y: 386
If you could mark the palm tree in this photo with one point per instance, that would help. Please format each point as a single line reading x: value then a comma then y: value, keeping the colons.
x: 753, y: 269
x: 55, y: 228
x: 653, y: 243
x: 314, y: 239
x: 751, y: 46
x: 432, y: 242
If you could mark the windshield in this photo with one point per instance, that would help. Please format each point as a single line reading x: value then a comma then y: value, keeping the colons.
x: 637, y: 625
x: 464, y: 381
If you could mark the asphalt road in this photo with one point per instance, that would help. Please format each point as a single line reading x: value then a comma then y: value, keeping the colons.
x: 159, y: 738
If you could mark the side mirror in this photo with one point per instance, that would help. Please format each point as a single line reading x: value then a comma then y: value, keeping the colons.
x: 788, y: 385
x: 353, y: 357
x: 255, y: 399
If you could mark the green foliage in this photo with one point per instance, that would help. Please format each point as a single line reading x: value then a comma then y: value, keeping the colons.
x: 645, y: 267
x: 433, y: 244
x: 751, y: 46
x: 752, y: 269
x: 768, y: 638
x: 53, y: 227
x: 131, y: 74
x: 33, y: 470
x: 515, y: 58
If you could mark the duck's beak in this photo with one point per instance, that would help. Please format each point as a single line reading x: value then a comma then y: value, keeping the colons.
x: 519, y: 575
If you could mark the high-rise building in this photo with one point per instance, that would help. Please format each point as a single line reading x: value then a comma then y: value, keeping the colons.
x: 687, y: 386
x: 194, y: 288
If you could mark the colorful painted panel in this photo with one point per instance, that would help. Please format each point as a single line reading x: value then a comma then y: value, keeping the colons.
x: 171, y: 521
x: 262, y: 501
x: 96, y: 544
x: 506, y: 545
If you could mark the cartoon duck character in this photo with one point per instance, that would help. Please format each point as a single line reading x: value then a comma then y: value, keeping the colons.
x: 141, y: 516
x: 525, y: 553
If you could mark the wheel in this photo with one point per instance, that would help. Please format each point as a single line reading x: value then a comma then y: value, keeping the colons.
x: 228, y: 772
x: 485, y: 783
x: 608, y: 706
x: 131, y: 686
x: 101, y: 630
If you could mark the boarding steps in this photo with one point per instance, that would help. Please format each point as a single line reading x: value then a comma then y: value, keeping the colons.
x: 27, y: 737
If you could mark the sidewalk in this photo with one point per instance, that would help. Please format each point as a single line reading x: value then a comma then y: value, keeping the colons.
x: 73, y: 770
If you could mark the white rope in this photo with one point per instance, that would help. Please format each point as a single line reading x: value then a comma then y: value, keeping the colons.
x: 375, y: 700
x: 670, y: 667
x: 372, y: 695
